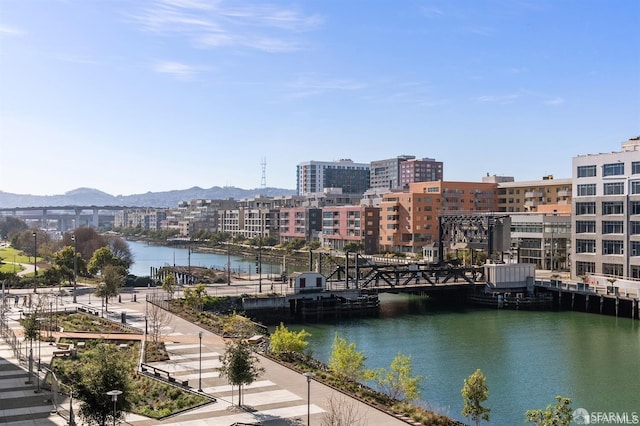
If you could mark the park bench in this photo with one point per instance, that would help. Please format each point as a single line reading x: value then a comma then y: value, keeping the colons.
x: 160, y: 373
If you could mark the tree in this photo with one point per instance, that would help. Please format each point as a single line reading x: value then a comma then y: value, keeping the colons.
x: 120, y: 249
x: 239, y: 326
x: 10, y: 226
x: 555, y: 415
x: 285, y: 340
x: 239, y: 365
x: 157, y: 319
x: 112, y: 281
x: 52, y: 276
x: 194, y: 296
x: 343, y: 412
x: 63, y: 261
x: 103, y: 369
x: 346, y: 361
x: 169, y: 285
x: 398, y: 381
x: 474, y: 393
x: 31, y: 327
x: 87, y: 241
x: 353, y: 247
x: 103, y: 257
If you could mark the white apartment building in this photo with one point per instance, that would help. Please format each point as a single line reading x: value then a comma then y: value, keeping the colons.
x: 606, y: 213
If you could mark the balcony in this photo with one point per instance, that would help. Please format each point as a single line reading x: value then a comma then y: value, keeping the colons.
x: 533, y: 194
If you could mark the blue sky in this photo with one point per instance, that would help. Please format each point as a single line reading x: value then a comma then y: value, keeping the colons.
x: 144, y: 95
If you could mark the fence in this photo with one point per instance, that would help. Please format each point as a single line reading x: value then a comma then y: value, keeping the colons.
x: 12, y: 340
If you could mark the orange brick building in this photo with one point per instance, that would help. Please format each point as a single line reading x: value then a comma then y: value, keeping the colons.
x: 409, y: 219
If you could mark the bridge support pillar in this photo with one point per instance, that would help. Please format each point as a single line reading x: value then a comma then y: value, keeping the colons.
x: 586, y: 303
x: 95, y: 220
x: 573, y: 298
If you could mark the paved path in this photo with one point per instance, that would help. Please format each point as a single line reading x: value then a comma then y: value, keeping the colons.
x: 279, y: 397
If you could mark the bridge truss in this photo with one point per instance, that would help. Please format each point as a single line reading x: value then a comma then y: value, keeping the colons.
x: 365, y: 273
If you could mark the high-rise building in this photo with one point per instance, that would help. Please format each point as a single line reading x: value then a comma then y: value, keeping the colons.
x: 385, y: 174
x: 316, y: 176
x: 420, y: 170
x: 396, y: 173
x: 606, y: 213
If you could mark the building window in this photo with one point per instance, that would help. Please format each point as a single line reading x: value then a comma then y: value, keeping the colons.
x: 319, y: 282
x: 588, y: 208
x: 586, y: 171
x: 612, y: 269
x: 612, y: 227
x: 585, y: 227
x: 303, y: 282
x: 613, y: 188
x: 585, y: 246
x: 635, y: 167
x: 634, y: 228
x: 635, y: 248
x: 635, y: 207
x: 612, y: 207
x: 612, y: 247
x: 613, y: 169
x: 586, y: 190
x: 635, y: 187
x: 584, y: 268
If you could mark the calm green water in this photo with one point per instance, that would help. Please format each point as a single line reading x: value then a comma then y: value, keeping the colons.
x: 527, y: 357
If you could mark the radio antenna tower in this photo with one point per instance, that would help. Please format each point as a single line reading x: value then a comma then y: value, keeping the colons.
x: 263, y: 182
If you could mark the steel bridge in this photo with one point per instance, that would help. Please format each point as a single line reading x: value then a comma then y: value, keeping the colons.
x: 378, y: 274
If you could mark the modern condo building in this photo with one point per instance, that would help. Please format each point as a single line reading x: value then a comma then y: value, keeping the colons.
x: 606, y: 213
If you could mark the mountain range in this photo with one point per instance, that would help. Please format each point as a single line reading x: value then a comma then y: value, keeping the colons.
x: 94, y: 197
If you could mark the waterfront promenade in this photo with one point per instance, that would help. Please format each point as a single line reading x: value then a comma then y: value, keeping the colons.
x: 278, y: 397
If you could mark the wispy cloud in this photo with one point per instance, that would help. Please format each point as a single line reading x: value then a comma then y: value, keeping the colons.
x: 502, y: 99
x: 479, y: 30
x: 431, y: 12
x: 76, y: 59
x: 265, y: 27
x: 177, y: 70
x: 555, y: 101
x: 306, y: 86
x: 4, y: 30
x: 417, y: 93
x: 521, y: 95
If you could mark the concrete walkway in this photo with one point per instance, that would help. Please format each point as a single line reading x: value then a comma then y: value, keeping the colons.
x: 278, y: 397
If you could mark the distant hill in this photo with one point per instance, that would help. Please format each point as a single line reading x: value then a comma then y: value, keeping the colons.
x: 94, y: 197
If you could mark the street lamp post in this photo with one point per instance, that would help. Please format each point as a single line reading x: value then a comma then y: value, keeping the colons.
x: 39, y: 340
x: 35, y: 267
x: 309, y: 376
x: 75, y: 266
x: 228, y: 264
x: 200, y: 367
x: 114, y: 397
x: 50, y: 335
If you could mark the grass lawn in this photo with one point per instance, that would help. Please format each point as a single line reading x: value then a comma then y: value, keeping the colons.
x: 9, y: 255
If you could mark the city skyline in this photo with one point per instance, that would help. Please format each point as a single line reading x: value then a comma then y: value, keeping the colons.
x: 158, y: 95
